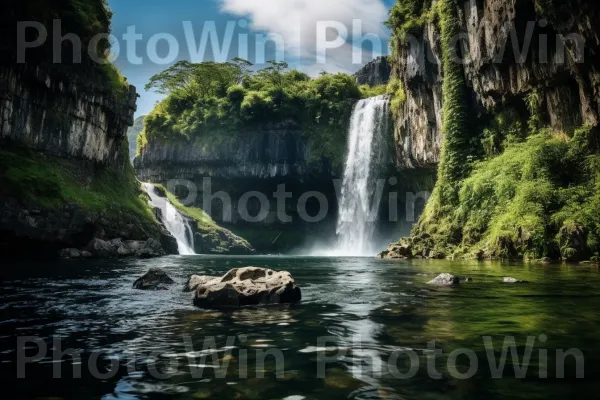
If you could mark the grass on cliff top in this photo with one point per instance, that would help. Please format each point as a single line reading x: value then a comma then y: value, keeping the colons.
x: 227, y: 99
x: 50, y: 182
x: 204, y: 220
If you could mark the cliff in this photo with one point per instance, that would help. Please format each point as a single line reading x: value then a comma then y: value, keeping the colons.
x: 495, y: 77
x: 252, y: 132
x: 244, y: 162
x: 375, y: 73
x: 63, y: 119
x: 526, y: 87
x: 65, y: 178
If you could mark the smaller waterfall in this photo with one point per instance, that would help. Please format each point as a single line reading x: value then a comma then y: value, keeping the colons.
x: 173, y: 221
x: 359, y: 202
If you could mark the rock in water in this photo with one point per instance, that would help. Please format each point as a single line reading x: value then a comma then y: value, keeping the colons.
x: 244, y: 287
x: 396, y: 251
x: 154, y: 279
x: 196, y: 280
x: 512, y: 280
x: 445, y: 280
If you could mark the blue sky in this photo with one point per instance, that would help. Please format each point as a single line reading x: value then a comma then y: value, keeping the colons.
x: 293, y: 22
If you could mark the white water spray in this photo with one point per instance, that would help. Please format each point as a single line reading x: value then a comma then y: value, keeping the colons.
x: 359, y: 202
x: 173, y: 221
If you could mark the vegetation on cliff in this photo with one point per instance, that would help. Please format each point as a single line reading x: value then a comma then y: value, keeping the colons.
x: 86, y: 19
x: 40, y: 180
x: 77, y: 184
x: 132, y: 134
x: 508, y: 185
x: 209, y: 100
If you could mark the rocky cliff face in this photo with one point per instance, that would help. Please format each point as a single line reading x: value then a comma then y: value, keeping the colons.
x: 241, y: 163
x: 377, y: 72
x: 558, y: 36
x: 260, y: 155
x: 65, y: 175
x: 516, y: 83
x: 61, y: 118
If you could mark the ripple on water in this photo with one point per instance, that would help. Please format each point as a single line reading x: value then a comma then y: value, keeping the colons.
x: 365, y: 310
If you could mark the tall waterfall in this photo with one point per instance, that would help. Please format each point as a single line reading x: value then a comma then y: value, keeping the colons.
x: 173, y: 221
x: 359, y: 201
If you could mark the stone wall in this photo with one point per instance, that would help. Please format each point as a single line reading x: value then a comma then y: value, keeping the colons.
x: 569, y: 90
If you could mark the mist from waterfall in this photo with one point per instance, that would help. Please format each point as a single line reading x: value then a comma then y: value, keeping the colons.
x: 359, y: 200
x: 175, y: 223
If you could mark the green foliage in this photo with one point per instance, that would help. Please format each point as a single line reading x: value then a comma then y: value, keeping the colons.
x: 530, y: 183
x: 505, y: 128
x: 515, y: 203
x: 50, y: 182
x: 396, y: 89
x: 208, y: 100
x: 457, y: 150
x: 533, y: 100
x: 203, y: 79
x: 455, y: 109
x: 115, y: 80
x: 408, y: 17
x: 86, y: 19
x: 372, y: 91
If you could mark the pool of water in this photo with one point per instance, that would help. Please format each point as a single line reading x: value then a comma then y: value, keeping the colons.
x: 366, y: 329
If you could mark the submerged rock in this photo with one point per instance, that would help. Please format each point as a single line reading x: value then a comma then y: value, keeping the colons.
x: 445, y: 280
x: 512, y: 280
x: 243, y: 287
x: 154, y: 279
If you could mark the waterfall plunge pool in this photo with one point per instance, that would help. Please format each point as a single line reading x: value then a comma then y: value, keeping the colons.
x: 368, y: 310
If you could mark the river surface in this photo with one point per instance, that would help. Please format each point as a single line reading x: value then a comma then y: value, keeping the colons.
x: 365, y: 329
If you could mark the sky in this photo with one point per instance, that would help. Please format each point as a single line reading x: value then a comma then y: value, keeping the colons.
x: 311, y: 35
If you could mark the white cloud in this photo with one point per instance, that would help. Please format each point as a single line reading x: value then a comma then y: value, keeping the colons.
x: 296, y: 22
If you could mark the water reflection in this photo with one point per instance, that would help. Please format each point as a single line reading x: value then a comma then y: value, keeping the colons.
x: 368, y: 310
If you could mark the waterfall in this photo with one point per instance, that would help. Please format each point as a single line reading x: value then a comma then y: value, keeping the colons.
x: 359, y: 197
x: 175, y: 223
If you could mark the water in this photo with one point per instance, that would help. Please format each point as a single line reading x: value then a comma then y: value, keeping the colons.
x: 174, y: 221
x: 359, y: 201
x: 91, y: 305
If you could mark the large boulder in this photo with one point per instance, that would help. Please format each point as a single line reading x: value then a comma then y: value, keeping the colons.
x: 152, y: 248
x: 445, y: 280
x: 217, y: 240
x: 101, y: 248
x: 244, y: 287
x: 154, y: 279
x: 168, y: 242
x: 397, y: 251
